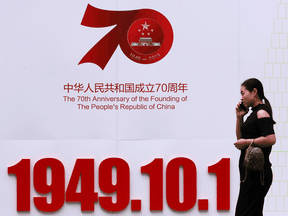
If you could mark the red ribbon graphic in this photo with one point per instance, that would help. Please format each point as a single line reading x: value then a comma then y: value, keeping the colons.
x: 101, y: 52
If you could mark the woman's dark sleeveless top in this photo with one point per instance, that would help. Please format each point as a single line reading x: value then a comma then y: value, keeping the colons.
x: 253, y: 128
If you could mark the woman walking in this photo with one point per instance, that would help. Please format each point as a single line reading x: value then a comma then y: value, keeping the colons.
x: 258, y: 130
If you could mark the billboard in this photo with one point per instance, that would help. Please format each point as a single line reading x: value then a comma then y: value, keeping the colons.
x: 101, y: 100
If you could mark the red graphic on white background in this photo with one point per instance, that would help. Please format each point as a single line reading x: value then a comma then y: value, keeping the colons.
x: 139, y: 33
x: 145, y: 36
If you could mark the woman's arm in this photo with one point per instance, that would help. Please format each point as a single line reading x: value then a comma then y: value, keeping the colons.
x: 266, y: 141
x: 261, y: 142
x: 239, y: 122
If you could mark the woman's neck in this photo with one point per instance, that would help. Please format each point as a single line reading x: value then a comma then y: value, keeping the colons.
x: 257, y: 102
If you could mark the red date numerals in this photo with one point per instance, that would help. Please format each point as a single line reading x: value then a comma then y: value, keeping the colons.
x: 189, y: 184
x: 122, y: 187
x: 22, y: 171
x: 56, y: 188
x: 155, y: 171
x: 222, y: 171
x: 87, y: 196
x: 84, y: 171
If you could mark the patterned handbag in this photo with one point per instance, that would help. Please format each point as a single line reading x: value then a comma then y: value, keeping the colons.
x: 254, y: 161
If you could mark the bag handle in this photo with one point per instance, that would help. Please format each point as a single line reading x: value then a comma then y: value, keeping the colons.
x: 251, y: 143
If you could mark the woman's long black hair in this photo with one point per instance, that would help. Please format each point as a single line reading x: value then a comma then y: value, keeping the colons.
x: 252, y: 83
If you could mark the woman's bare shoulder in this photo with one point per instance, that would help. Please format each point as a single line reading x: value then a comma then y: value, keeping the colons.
x: 262, y: 114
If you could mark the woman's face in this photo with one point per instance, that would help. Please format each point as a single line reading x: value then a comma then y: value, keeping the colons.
x: 247, y: 97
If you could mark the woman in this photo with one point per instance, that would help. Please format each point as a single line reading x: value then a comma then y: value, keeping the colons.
x: 258, y: 128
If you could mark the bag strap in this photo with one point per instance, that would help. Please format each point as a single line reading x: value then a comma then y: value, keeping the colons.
x: 251, y: 143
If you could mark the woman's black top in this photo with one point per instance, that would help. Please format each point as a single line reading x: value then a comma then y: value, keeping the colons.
x: 253, y: 128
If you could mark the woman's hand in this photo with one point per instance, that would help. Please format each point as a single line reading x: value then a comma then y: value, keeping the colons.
x: 242, y: 143
x: 240, y: 112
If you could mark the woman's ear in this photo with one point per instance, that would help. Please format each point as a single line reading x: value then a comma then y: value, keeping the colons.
x: 254, y: 91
